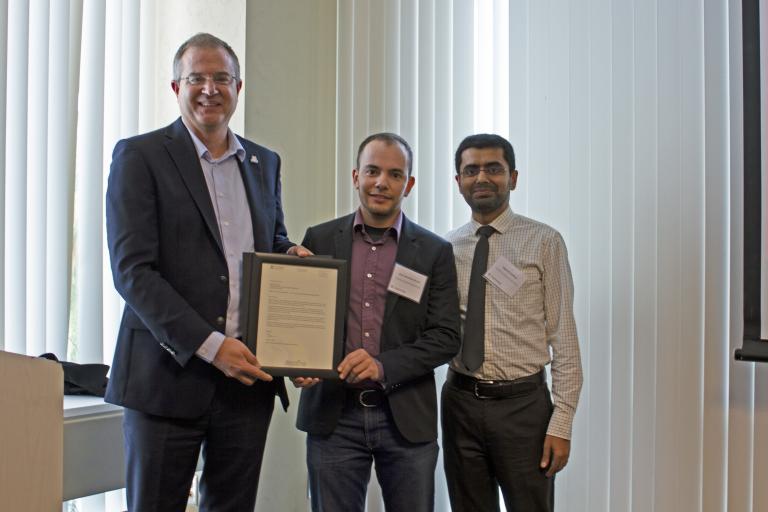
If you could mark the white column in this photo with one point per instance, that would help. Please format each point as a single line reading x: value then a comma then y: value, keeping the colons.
x: 37, y: 163
x: 622, y: 256
x: 88, y: 209
x: 60, y: 184
x: 15, y: 178
x: 439, y: 177
x: 462, y: 96
x: 290, y: 97
x: 3, y: 79
x: 345, y: 85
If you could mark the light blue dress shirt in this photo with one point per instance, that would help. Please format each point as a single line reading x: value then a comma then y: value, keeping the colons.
x: 233, y: 216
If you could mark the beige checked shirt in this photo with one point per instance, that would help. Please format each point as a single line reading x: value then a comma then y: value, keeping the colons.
x: 520, y: 331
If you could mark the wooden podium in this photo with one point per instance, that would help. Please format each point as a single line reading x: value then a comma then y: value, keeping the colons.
x: 31, y: 433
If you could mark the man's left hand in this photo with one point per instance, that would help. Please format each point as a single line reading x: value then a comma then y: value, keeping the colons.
x: 358, y: 366
x: 300, y: 251
x: 555, y: 456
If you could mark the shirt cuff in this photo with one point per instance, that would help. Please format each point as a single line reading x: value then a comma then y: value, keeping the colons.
x: 560, y: 424
x: 210, y: 347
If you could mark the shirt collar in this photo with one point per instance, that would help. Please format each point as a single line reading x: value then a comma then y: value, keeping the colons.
x: 395, y: 227
x: 234, y: 146
x: 501, y: 224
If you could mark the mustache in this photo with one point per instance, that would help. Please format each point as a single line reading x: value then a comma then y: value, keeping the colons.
x: 490, y: 187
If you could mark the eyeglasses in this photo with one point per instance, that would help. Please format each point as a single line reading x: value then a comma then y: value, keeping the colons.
x: 218, y: 78
x: 472, y: 171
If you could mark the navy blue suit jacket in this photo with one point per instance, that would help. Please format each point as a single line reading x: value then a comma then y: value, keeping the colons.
x: 169, y: 266
x: 415, y: 338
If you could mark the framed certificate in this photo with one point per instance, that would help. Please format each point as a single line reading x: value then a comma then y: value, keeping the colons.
x: 293, y: 311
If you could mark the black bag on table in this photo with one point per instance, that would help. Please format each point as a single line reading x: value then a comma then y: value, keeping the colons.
x: 82, y: 379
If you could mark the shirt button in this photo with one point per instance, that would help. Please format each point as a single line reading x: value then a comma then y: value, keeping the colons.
x: 369, y: 275
x: 220, y: 194
x: 220, y: 320
x: 367, y: 304
x: 373, y: 248
x: 226, y: 223
x: 223, y: 279
x: 367, y: 335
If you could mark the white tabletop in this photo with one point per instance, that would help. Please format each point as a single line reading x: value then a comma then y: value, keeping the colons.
x: 76, y: 406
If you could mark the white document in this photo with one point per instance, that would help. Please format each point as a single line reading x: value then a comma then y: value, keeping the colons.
x: 407, y: 283
x: 296, y: 316
x: 505, y: 276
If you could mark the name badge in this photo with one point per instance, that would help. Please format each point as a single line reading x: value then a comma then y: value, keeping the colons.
x: 505, y: 276
x: 407, y: 283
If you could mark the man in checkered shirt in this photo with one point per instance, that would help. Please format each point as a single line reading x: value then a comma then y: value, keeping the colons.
x: 501, y: 427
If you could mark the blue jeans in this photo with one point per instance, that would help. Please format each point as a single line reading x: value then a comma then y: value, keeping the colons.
x: 340, y: 464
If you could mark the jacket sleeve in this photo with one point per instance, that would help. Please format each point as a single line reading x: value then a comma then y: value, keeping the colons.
x: 281, y: 242
x: 133, y: 238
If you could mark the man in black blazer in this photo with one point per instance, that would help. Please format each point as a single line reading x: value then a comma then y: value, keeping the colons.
x: 183, y: 204
x: 402, y: 322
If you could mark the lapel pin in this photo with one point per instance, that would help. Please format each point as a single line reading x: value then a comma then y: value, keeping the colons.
x: 254, y: 160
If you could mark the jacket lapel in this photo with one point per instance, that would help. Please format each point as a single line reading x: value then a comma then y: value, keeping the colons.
x: 183, y: 154
x: 255, y: 190
x: 343, y: 240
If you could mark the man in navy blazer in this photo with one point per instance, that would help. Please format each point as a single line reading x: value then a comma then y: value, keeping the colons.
x: 402, y: 322
x: 183, y: 204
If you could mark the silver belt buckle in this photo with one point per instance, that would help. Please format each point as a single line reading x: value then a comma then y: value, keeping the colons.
x: 477, y: 392
x: 362, y: 394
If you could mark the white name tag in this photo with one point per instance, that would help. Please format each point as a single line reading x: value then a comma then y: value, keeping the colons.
x: 505, y: 276
x: 407, y: 283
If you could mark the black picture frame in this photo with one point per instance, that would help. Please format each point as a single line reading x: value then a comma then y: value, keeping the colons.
x: 753, y: 347
x: 252, y: 314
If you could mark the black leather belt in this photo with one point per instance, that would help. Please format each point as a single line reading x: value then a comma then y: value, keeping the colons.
x: 366, y: 397
x: 495, y: 388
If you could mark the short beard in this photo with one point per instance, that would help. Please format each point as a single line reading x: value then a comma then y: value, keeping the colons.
x: 490, y: 204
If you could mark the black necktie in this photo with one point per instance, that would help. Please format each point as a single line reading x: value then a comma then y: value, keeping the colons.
x: 474, y: 325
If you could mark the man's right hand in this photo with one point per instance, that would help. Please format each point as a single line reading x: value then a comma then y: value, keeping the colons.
x: 236, y: 361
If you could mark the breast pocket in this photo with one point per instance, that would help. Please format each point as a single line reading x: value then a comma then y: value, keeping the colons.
x: 532, y: 279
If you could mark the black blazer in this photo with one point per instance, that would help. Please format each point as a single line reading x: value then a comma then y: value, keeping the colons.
x: 415, y: 339
x: 168, y: 265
